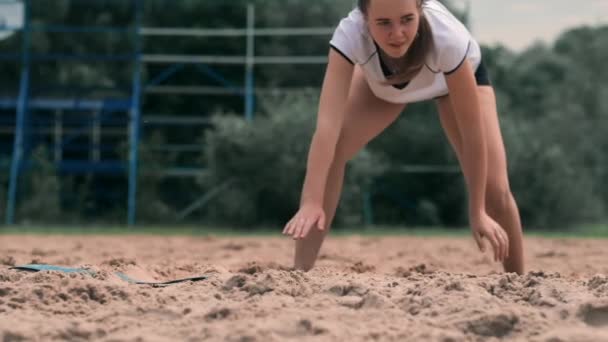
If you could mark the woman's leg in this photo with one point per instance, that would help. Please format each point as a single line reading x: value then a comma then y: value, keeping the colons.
x: 366, y: 117
x: 500, y: 203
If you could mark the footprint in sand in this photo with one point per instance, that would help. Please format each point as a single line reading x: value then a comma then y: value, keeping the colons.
x: 5, y: 291
x: 598, y: 283
x: 13, y: 336
x: 118, y: 262
x: 492, y: 325
x: 259, y: 288
x: 360, y: 267
x: 354, y: 300
x: 74, y: 333
x: 232, y: 246
x: 349, y: 289
x: 253, y: 288
x: 8, y: 261
x: 306, y: 327
x: 419, y: 269
x: 235, y: 281
x: 551, y: 254
x: 218, y: 314
x: 252, y: 268
x: 594, y: 314
x: 374, y: 300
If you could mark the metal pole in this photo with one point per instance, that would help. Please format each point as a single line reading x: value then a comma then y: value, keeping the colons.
x: 22, y: 112
x: 249, y: 94
x: 135, y: 117
x: 58, y: 135
x: 95, y: 151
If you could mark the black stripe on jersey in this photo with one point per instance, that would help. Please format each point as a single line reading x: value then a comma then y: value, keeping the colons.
x: 342, y: 53
x: 386, y: 72
x: 370, y: 57
x: 481, y: 76
x: 433, y: 71
x: 462, y: 61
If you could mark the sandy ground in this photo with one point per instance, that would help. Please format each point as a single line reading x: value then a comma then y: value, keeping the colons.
x: 363, y: 289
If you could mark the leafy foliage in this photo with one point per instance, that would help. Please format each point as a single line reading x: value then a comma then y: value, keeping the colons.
x: 267, y: 161
x: 552, y: 105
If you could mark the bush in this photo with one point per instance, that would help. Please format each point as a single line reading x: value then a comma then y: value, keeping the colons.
x: 151, y: 206
x: 41, y: 200
x: 552, y: 189
x: 266, y: 161
x: 47, y: 197
x: 418, y: 198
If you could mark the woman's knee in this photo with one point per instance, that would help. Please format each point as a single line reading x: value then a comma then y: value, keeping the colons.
x: 344, y: 153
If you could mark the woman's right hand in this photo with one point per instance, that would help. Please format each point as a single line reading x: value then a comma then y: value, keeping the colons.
x: 308, y: 217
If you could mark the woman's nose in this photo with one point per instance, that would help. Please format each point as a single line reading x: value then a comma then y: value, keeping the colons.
x: 398, y: 31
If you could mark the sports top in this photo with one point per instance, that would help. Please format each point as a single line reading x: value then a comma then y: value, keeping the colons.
x: 452, y: 43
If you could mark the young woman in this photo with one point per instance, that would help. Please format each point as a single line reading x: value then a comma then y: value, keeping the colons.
x: 385, y: 54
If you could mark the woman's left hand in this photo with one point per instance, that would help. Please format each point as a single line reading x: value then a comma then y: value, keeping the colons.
x: 483, y: 226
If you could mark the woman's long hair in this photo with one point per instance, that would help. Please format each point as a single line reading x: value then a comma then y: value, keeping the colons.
x: 415, y: 58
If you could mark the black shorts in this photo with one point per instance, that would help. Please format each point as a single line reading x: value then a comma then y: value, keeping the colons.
x: 481, y: 75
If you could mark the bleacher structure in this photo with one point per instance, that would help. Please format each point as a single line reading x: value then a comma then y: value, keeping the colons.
x: 41, y: 117
x: 80, y: 128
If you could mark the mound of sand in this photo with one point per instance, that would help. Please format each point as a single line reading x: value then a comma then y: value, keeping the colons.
x: 392, y: 288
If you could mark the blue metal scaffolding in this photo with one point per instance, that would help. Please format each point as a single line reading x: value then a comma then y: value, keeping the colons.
x: 25, y: 105
x: 126, y: 110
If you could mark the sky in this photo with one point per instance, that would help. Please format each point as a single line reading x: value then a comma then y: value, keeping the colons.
x: 518, y: 23
x: 11, y: 15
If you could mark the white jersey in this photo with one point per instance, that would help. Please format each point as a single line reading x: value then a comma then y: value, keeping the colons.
x: 452, y: 44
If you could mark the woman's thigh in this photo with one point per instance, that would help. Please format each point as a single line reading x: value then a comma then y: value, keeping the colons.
x: 366, y: 116
x: 496, y: 155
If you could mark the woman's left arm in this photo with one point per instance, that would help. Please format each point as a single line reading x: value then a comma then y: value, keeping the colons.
x: 465, y: 103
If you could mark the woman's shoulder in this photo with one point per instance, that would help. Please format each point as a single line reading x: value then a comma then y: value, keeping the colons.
x: 443, y: 23
x: 451, y: 39
x: 354, y: 22
x: 352, y: 37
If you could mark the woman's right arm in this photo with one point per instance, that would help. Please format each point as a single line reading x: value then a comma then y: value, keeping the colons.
x: 330, y: 118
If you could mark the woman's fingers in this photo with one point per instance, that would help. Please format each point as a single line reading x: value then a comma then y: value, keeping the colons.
x: 479, y: 239
x: 299, y: 227
x: 503, y: 244
x: 321, y: 222
x: 305, y: 220
x: 504, y: 238
x: 498, y: 251
x: 291, y: 227
x: 507, y: 242
x: 305, y: 228
x: 495, y: 244
x: 498, y: 238
x: 288, y: 227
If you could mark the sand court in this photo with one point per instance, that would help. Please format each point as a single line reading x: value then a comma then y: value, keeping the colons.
x: 363, y: 288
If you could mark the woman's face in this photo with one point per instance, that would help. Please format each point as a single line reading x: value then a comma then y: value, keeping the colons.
x: 393, y: 24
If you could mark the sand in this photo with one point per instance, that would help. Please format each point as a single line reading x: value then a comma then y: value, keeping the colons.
x: 362, y: 289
